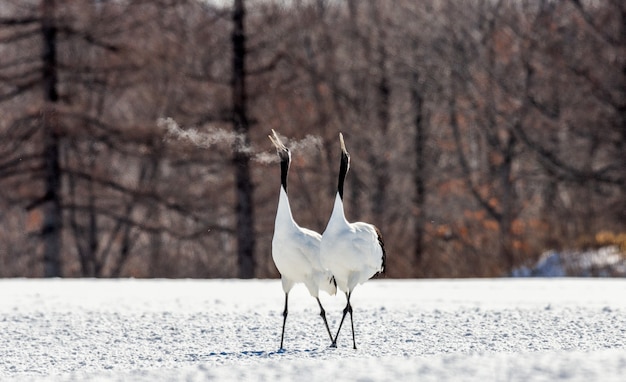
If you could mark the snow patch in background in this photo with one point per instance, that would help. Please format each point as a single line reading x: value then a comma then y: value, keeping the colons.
x: 602, y: 262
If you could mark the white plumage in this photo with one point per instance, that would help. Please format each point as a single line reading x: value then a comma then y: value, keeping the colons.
x: 296, y: 250
x: 352, y: 252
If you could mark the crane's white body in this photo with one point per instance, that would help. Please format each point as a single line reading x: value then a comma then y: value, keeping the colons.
x: 296, y: 253
x: 350, y: 251
x: 296, y: 250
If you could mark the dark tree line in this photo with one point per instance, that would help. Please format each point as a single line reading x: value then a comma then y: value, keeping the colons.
x: 482, y: 133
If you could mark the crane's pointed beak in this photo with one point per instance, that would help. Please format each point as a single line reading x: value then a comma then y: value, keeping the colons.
x: 273, y: 141
x: 283, y: 152
x: 276, y: 141
x: 343, y: 144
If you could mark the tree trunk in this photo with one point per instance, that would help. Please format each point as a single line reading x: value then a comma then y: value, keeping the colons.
x: 507, y: 212
x: 52, y: 222
x: 383, y: 117
x: 420, y: 162
x: 244, y: 189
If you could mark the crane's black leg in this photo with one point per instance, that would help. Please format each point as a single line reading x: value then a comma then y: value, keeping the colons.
x: 323, y: 314
x: 347, y: 309
x: 351, y: 323
x: 282, y: 336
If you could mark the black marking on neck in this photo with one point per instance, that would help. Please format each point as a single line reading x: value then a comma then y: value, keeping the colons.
x: 343, y: 170
x: 284, y: 170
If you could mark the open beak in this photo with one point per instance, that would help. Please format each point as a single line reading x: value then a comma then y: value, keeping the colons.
x: 276, y: 141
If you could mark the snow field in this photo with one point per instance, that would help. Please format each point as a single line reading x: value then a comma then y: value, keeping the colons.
x: 442, y: 330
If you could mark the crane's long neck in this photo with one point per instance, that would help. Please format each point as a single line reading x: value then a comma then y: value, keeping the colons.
x: 338, y: 216
x: 284, y: 170
x: 283, y: 214
x: 343, y: 171
x: 284, y: 217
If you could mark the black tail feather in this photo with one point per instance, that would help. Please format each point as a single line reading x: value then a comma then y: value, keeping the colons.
x: 383, y: 264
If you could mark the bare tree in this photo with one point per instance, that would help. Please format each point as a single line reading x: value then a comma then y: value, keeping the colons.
x: 244, y: 210
x: 481, y: 133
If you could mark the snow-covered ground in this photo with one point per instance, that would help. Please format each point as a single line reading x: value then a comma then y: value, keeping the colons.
x: 421, y: 330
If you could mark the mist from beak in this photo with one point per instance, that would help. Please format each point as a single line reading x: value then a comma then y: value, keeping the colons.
x: 307, y: 147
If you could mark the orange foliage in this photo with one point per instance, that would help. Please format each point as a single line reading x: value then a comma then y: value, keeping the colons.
x: 34, y: 220
x: 518, y: 227
x: 491, y: 225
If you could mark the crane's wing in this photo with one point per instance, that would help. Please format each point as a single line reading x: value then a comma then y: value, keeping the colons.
x: 368, y: 243
x: 310, y: 247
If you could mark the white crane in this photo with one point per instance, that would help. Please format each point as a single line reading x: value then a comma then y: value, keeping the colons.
x: 352, y: 252
x: 295, y: 250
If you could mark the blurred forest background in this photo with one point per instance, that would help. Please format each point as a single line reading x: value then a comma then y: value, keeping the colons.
x: 482, y: 133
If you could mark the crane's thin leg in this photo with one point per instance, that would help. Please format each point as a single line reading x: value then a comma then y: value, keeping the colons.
x: 347, y: 309
x: 282, y: 336
x: 323, y: 314
x: 351, y: 323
